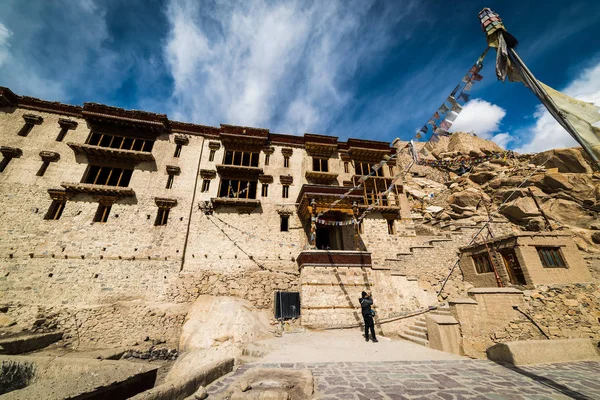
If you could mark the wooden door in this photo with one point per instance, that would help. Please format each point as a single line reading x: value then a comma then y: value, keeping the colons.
x: 511, y: 263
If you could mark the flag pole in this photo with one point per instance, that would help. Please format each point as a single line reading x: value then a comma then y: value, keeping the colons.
x: 532, y: 83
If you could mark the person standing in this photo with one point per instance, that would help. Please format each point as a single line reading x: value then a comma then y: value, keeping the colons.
x: 366, y: 301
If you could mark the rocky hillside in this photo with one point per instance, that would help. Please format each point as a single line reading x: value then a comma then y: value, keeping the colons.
x: 552, y: 190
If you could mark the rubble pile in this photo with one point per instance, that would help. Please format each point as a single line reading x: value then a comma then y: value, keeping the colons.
x: 552, y: 190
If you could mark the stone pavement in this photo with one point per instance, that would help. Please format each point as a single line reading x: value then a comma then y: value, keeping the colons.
x: 441, y: 379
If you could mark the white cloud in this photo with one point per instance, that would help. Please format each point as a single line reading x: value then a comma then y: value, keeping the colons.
x: 479, y: 116
x: 5, y: 34
x: 287, y: 66
x: 502, y: 139
x: 546, y: 133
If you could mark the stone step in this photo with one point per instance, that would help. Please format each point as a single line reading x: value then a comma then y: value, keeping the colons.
x: 418, y: 330
x: 415, y: 339
x: 255, y: 351
x: 247, y: 360
x: 413, y: 248
x: 25, y: 343
x: 421, y: 324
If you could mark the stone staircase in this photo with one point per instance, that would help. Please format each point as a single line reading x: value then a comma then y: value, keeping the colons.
x: 253, y: 352
x: 417, y: 331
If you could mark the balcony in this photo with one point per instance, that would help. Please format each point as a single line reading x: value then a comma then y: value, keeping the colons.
x: 324, y: 196
x: 242, y: 205
x: 335, y: 258
x: 110, y: 153
x: 104, y: 190
x: 238, y: 171
x: 321, y: 177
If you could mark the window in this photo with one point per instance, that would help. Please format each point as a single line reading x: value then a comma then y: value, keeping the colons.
x: 284, y: 225
x: 286, y: 191
x: 482, y: 263
x: 320, y: 165
x: 362, y: 168
x: 177, y: 150
x: 62, y: 134
x: 361, y: 228
x: 211, y: 155
x: 205, y: 185
x: 4, y: 162
x: 241, y: 158
x: 391, y: 170
x: 55, y: 210
x: 551, y: 257
x: 107, y: 176
x: 161, y: 217
x: 102, y: 213
x: 43, y: 168
x: 237, y: 189
x: 264, y: 190
x: 346, y: 169
x: 391, y: 227
x: 119, y: 142
x: 170, y: 180
x: 286, y: 161
x: 267, y: 157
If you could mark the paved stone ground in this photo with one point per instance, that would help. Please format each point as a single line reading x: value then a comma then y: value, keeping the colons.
x: 442, y: 379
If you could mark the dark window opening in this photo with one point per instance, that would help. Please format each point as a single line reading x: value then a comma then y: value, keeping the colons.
x: 287, y: 305
x: 391, y: 227
x: 4, y: 163
x: 482, y: 263
x: 205, y: 185
x: 361, y: 228
x: 362, y: 168
x: 286, y: 162
x: 320, y: 165
x: 211, y: 155
x: 267, y: 157
x: 102, y: 213
x: 284, y: 223
x: 177, y: 151
x: 551, y: 257
x: 43, y: 168
x: 286, y: 191
x: 26, y: 129
x: 161, y: 217
x: 264, y: 190
x: 236, y: 189
x: 241, y: 158
x: 55, y: 210
x: 170, y: 180
x: 62, y: 134
x: 346, y: 169
x: 118, y: 142
x: 107, y: 176
x: 391, y: 167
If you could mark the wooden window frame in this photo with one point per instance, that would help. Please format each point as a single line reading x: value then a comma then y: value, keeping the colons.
x: 264, y: 190
x: 267, y: 159
x: 125, y: 174
x: 482, y: 263
x: 205, y: 185
x: 241, y: 158
x: 102, y: 213
x: 319, y: 162
x: 238, y: 186
x: 170, y: 181
x: 162, y: 216
x: 119, y: 142
x: 364, y: 168
x: 551, y: 257
x: 391, y: 226
x: 286, y: 161
x: 178, y: 148
x: 211, y: 155
x: 285, y: 191
x: 55, y: 210
x: 346, y: 167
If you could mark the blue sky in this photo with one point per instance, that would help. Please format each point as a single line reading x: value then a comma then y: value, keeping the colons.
x: 369, y: 69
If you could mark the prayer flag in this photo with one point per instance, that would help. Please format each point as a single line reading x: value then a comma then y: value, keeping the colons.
x: 474, y: 69
x: 456, y: 89
x: 451, y: 116
x: 424, y: 129
x: 457, y: 108
x: 445, y: 124
x: 435, y: 138
x: 464, y: 97
x: 466, y: 78
x: 451, y: 100
x: 436, y: 115
x: 477, y: 77
x: 468, y: 86
x: 418, y: 135
x: 443, y: 109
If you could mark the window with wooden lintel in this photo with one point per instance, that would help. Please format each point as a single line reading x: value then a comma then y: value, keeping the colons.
x: 211, y: 155
x: 178, y: 148
x: 346, y: 167
x: 285, y: 191
x: 170, y: 180
x: 551, y: 257
x: 162, y: 216
x: 119, y: 142
x: 482, y: 263
x: 205, y: 185
x: 109, y: 176
x: 286, y: 161
x: 65, y: 126
x: 241, y: 158
x: 8, y: 153
x: 267, y: 158
x: 364, y: 168
x: 284, y: 223
x: 237, y: 189
x: 264, y: 190
x: 320, y: 164
x: 30, y: 121
x: 55, y: 210
x: 102, y: 213
x: 391, y: 227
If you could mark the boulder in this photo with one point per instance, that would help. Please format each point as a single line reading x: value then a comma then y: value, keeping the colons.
x: 466, y: 143
x: 567, y: 212
x: 213, y: 320
x: 520, y: 210
x: 554, y: 182
x: 596, y: 237
x: 470, y: 197
x: 566, y: 160
x: 482, y: 177
x: 6, y: 321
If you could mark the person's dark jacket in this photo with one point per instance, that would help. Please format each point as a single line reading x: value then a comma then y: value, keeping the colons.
x: 366, y: 303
